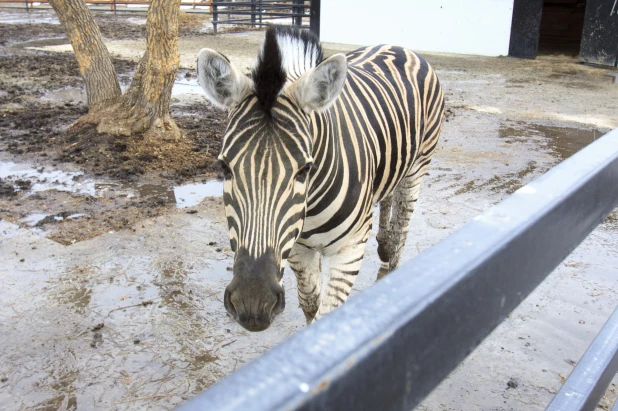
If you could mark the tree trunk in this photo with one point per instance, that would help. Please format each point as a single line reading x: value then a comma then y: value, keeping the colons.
x: 93, y: 59
x: 145, y: 105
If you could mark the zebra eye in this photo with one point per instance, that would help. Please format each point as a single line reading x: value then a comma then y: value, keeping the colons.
x: 227, y: 173
x: 302, y: 174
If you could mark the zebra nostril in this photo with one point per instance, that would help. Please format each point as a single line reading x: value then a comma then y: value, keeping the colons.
x: 229, y: 306
x: 279, y: 304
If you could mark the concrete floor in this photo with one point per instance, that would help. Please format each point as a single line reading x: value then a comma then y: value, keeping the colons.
x: 135, y: 319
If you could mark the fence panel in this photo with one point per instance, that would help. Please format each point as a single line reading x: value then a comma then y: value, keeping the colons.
x: 257, y: 13
x: 391, y: 345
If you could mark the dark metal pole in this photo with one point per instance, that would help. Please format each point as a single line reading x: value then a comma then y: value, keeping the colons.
x: 297, y: 20
x: 27, y: 7
x: 253, y: 9
x: 314, y: 17
x: 587, y: 383
x: 260, y: 11
x: 215, y: 17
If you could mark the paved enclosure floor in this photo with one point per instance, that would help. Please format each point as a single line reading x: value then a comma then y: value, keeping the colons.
x: 134, y: 318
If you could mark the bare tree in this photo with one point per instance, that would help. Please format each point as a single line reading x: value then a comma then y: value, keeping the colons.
x: 144, y: 108
x: 93, y: 59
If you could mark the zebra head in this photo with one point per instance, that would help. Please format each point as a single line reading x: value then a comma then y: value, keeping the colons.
x: 267, y: 156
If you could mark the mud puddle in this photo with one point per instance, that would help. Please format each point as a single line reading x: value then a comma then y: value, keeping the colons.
x: 69, y: 206
x: 562, y: 141
x: 186, y: 90
x: 29, y: 179
x: 25, y: 177
x: 183, y: 196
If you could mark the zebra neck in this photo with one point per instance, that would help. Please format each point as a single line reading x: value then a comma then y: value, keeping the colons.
x: 327, y: 154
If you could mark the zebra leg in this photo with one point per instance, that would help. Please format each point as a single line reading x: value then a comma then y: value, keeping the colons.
x: 383, y: 234
x: 307, y: 265
x: 344, y: 267
x: 404, y: 201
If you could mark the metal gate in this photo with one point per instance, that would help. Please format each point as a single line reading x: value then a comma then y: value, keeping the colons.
x: 257, y: 13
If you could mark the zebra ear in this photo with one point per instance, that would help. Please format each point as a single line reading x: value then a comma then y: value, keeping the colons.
x: 224, y: 84
x: 318, y: 88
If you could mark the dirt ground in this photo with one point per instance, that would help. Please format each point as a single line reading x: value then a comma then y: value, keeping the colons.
x: 42, y: 93
x: 113, y: 260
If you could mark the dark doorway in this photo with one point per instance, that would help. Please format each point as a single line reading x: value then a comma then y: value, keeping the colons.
x: 588, y: 28
x: 562, y: 24
x: 546, y: 26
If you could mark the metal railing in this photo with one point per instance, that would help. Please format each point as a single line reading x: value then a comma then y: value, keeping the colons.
x: 391, y: 345
x: 113, y: 4
x: 590, y: 378
x: 257, y: 13
x: 254, y: 13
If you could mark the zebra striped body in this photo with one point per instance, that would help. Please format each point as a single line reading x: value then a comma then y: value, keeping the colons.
x: 369, y: 140
x: 306, y: 163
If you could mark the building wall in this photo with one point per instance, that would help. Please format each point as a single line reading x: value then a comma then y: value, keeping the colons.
x: 480, y: 27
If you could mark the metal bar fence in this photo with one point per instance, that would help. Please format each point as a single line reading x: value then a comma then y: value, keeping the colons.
x: 29, y: 4
x: 390, y: 346
x: 252, y: 13
x: 314, y: 17
x: 588, y: 381
x: 300, y: 13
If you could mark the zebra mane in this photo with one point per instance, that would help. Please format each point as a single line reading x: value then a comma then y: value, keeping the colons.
x: 286, y: 54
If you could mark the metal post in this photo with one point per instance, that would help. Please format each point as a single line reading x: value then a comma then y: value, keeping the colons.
x: 215, y: 18
x: 260, y: 11
x: 253, y: 9
x: 314, y: 17
x: 297, y: 20
x: 27, y: 8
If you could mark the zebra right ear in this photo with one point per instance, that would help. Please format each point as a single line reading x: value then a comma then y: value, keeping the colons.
x: 224, y: 84
x: 317, y: 89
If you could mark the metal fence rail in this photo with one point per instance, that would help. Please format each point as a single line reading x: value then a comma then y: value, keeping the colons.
x: 391, y: 345
x: 589, y: 380
x: 257, y: 13
x: 113, y: 4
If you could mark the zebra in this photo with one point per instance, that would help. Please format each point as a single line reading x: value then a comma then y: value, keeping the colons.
x: 311, y: 145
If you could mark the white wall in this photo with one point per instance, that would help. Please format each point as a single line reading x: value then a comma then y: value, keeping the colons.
x: 456, y: 26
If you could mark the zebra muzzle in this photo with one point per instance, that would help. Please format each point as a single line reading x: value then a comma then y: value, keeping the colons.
x: 254, y: 297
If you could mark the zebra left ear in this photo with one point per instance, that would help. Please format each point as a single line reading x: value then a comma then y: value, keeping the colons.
x: 318, y: 88
x: 224, y: 84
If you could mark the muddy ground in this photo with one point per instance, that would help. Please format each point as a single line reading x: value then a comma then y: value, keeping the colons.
x: 42, y: 97
x: 113, y: 262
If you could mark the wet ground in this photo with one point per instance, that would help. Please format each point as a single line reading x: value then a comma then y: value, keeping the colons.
x: 112, y: 282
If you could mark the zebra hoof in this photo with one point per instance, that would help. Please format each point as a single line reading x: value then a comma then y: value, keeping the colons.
x: 383, y: 253
x: 310, y: 317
